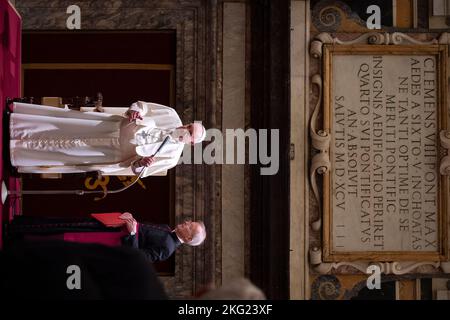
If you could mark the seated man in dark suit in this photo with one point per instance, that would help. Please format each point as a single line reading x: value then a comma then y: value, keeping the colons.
x: 158, y: 242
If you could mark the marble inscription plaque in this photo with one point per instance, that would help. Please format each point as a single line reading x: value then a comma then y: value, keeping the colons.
x: 384, y: 119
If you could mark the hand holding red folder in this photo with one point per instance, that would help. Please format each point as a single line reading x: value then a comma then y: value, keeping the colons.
x: 130, y: 222
x: 109, y: 219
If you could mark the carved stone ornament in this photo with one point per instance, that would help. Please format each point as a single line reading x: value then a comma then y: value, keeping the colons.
x: 445, y: 161
x: 321, y: 161
x: 330, y: 15
x: 396, y: 38
x: 326, y: 287
x: 395, y: 267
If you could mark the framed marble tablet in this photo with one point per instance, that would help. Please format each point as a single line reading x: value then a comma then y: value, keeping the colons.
x: 385, y: 108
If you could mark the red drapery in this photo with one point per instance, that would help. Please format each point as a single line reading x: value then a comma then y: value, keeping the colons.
x: 10, y: 65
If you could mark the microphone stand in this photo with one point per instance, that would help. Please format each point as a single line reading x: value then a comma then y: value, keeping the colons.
x: 6, y: 192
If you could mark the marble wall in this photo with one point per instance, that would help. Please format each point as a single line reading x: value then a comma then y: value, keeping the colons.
x: 233, y: 116
x: 300, y: 19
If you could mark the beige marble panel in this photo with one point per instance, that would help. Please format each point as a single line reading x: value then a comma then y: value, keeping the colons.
x: 388, y: 169
x: 233, y: 116
x: 299, y: 137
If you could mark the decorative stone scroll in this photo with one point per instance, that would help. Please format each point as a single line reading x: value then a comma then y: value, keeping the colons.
x: 383, y: 153
x: 397, y: 267
x: 320, y: 163
x: 445, y: 162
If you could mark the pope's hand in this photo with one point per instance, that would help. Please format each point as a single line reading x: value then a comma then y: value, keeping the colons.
x: 133, y: 115
x: 146, y: 161
x: 130, y: 222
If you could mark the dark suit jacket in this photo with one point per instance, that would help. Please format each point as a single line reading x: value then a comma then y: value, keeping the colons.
x: 156, y: 241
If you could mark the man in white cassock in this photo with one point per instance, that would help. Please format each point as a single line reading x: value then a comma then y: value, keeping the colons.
x: 46, y: 139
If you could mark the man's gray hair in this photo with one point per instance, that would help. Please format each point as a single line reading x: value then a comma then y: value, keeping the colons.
x: 202, y: 135
x: 199, y: 237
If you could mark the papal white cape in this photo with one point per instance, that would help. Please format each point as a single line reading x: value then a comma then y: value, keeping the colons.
x: 46, y: 139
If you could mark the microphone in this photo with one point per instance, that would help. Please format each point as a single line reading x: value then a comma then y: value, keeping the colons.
x: 161, y: 145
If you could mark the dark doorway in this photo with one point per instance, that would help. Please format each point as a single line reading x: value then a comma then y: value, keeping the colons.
x: 125, y: 67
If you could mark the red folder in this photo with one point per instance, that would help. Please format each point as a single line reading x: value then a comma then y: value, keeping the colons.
x: 109, y: 219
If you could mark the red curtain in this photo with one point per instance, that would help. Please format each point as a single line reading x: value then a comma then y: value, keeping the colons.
x: 10, y: 48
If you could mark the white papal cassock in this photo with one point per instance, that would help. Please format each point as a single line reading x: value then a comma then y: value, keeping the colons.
x: 46, y: 139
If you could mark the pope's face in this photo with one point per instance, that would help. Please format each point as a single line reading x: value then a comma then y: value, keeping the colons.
x: 187, y: 134
x: 187, y: 230
x: 183, y: 134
